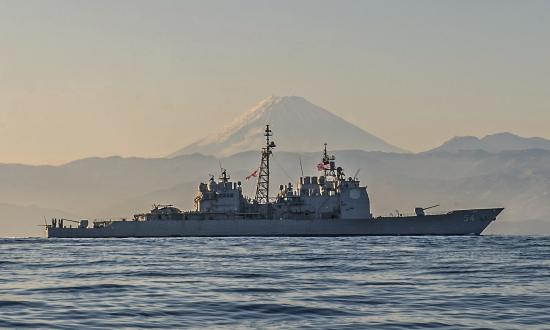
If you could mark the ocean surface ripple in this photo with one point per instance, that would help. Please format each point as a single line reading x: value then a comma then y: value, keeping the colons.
x: 487, y: 282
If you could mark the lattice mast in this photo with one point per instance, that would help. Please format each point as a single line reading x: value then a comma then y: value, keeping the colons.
x: 262, y: 189
x: 329, y: 166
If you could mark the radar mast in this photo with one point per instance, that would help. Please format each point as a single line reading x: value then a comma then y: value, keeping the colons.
x: 262, y: 189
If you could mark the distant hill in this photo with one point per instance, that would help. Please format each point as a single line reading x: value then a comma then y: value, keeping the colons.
x: 493, y: 143
x: 119, y: 187
x: 299, y: 126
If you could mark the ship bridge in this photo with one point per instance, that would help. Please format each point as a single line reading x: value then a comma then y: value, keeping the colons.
x: 223, y: 196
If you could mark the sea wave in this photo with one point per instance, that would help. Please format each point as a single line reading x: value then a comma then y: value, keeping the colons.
x: 493, y: 282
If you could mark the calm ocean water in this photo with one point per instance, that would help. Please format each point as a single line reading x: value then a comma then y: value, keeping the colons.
x: 499, y: 282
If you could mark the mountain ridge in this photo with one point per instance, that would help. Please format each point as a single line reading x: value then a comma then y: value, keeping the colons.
x: 493, y: 143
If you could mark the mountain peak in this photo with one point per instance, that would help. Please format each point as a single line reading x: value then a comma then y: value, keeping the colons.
x: 502, y: 135
x: 273, y: 99
x: 281, y: 104
x: 298, y: 125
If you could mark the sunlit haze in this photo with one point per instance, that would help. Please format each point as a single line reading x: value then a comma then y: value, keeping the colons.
x: 145, y: 78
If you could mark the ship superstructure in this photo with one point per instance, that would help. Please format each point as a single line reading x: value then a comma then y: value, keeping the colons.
x: 329, y: 196
x: 327, y: 205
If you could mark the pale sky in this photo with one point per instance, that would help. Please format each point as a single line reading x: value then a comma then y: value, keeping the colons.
x: 144, y: 78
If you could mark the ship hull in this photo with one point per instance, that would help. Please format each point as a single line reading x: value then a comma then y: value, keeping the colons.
x: 462, y: 222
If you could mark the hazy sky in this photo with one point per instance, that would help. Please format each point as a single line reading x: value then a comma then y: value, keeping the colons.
x: 144, y: 78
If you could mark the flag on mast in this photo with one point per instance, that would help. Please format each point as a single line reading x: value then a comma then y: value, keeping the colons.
x: 253, y: 174
x: 323, y: 166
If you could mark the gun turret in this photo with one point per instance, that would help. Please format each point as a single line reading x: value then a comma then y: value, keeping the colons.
x: 420, y: 210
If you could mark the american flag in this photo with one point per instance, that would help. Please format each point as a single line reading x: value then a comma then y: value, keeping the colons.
x: 323, y: 166
x: 253, y: 174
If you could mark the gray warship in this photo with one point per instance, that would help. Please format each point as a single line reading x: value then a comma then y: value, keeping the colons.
x: 327, y: 205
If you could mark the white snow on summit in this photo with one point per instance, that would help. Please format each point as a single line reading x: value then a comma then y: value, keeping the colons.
x: 297, y: 125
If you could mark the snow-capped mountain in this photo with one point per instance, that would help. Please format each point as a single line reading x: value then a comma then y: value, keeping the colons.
x: 493, y: 143
x: 297, y: 124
